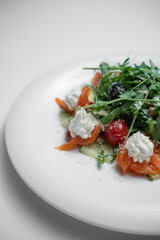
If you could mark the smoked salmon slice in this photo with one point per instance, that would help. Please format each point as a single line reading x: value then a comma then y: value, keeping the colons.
x: 94, y: 135
x: 83, y: 98
x: 127, y: 164
x: 96, y: 79
x: 63, y: 105
x: 78, y: 141
x: 82, y: 101
x: 69, y: 145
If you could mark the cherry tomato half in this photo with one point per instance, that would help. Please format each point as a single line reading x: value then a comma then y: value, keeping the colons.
x: 115, y: 132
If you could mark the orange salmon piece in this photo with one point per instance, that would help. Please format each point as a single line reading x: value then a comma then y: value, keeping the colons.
x: 96, y: 79
x: 127, y: 164
x: 78, y: 141
x: 83, y: 98
x: 82, y: 101
x: 69, y: 145
x: 94, y: 135
x: 63, y: 105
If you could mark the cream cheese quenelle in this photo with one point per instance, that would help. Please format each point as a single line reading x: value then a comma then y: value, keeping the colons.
x: 82, y: 124
x: 140, y: 148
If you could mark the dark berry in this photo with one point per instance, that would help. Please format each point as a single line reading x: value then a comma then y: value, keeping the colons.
x: 115, y: 90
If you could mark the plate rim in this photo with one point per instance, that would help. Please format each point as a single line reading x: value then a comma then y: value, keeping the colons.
x: 31, y: 187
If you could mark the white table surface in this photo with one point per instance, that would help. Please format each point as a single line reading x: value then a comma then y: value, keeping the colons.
x: 34, y: 37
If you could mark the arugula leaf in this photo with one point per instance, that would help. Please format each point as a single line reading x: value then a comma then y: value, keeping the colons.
x: 104, y: 82
x: 154, y: 88
x: 115, y: 113
x: 128, y: 94
x: 156, y: 130
x: 151, y: 126
x: 104, y: 68
x: 126, y: 62
x: 157, y: 74
x: 99, y: 105
x: 112, y: 115
x: 152, y: 64
x: 142, y: 84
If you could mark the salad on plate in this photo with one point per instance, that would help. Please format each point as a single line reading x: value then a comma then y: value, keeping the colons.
x: 116, y: 117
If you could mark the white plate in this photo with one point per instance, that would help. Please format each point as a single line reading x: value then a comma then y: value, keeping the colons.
x: 71, y: 181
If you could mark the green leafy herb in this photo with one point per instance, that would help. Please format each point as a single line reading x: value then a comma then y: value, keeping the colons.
x: 156, y: 130
x: 142, y: 85
x: 115, y: 113
x: 103, y: 104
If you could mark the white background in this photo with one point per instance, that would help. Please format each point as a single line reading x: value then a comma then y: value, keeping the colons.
x: 34, y: 37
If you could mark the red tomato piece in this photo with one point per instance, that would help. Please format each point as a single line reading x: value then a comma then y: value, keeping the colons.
x: 116, y: 132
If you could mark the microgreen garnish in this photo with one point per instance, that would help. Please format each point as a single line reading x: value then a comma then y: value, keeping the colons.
x: 105, y: 157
